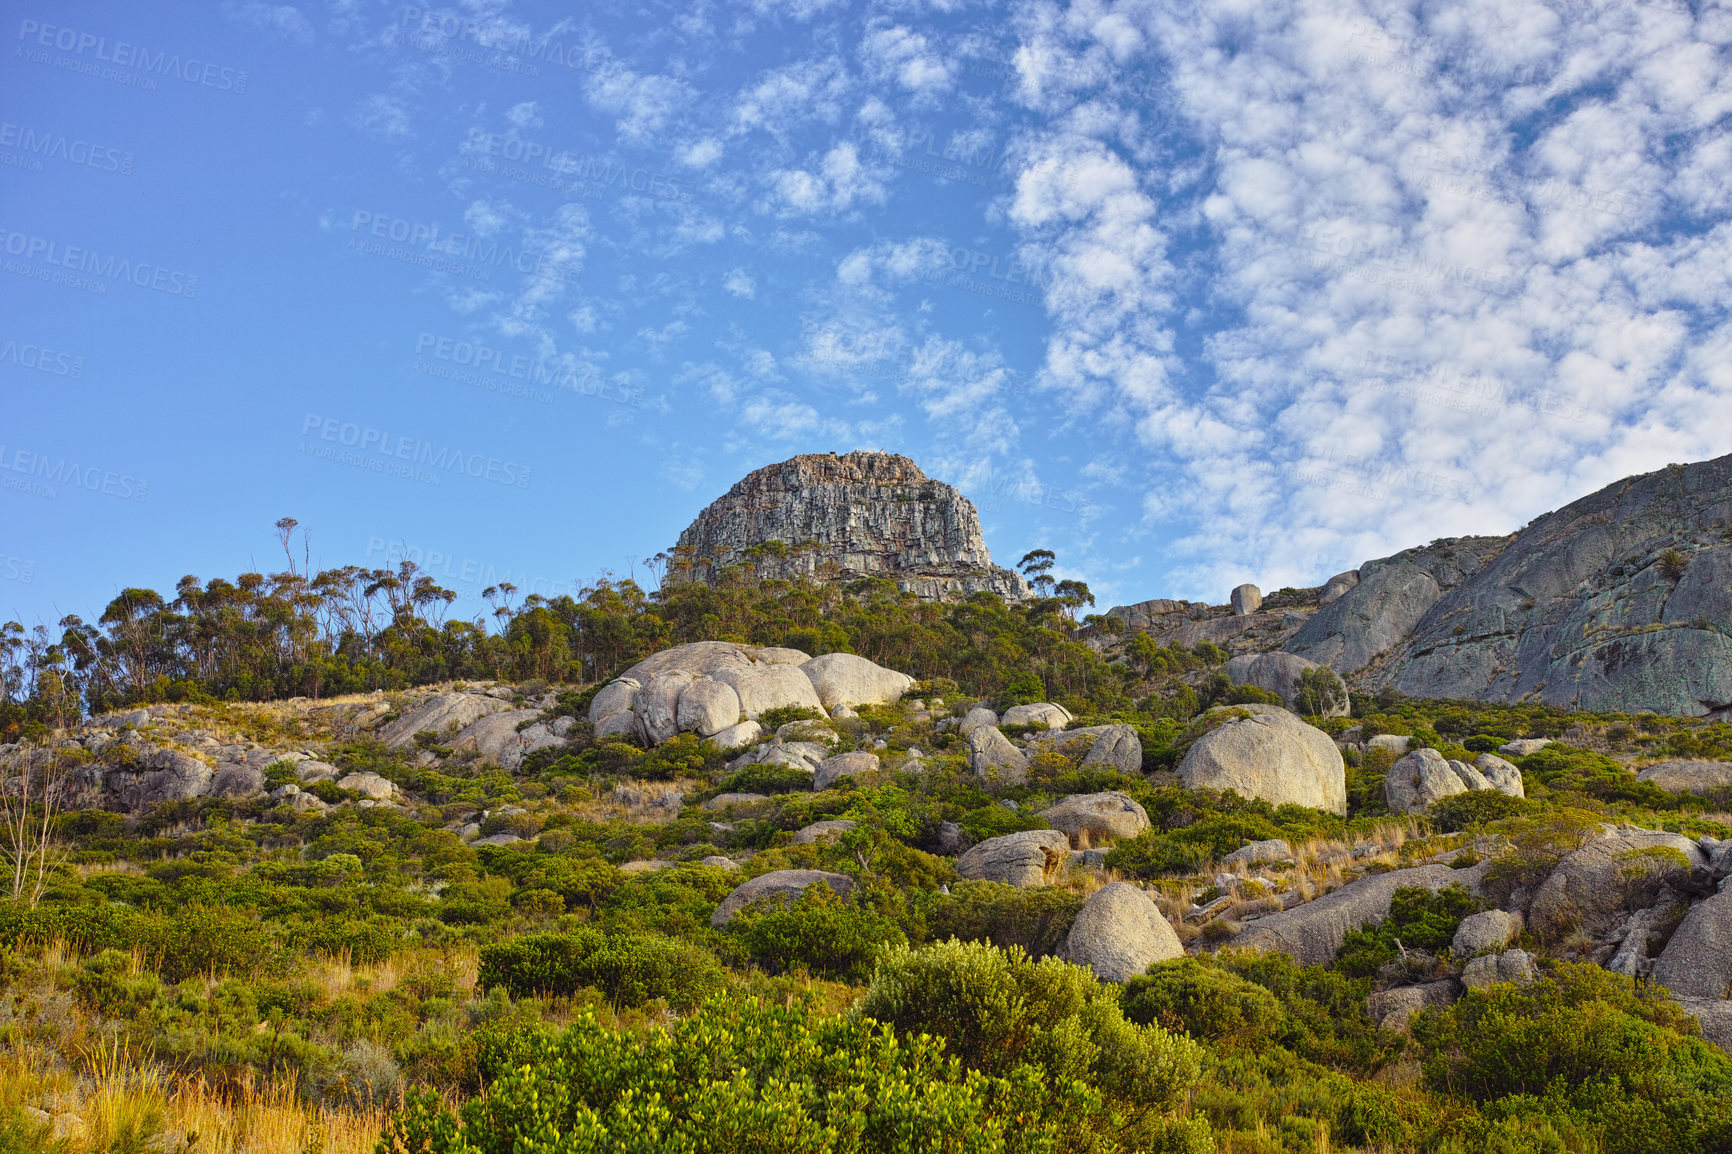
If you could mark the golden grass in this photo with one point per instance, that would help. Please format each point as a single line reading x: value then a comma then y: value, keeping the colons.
x: 121, y: 1102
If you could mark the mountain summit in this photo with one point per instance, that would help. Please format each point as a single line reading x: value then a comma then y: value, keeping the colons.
x: 861, y: 514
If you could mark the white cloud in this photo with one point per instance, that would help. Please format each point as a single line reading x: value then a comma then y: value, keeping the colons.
x: 899, y: 55
x: 838, y: 182
x: 381, y: 115
x: 740, y: 284
x: 642, y: 105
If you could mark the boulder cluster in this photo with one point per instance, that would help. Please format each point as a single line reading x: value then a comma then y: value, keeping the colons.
x: 719, y: 690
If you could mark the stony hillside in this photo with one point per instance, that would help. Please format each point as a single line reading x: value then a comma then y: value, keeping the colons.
x: 862, y: 514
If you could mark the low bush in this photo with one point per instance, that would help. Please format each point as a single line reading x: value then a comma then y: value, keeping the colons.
x: 1418, y: 920
x: 629, y: 969
x: 826, y: 934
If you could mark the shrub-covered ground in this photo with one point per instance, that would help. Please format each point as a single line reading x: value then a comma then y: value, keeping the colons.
x: 272, y: 979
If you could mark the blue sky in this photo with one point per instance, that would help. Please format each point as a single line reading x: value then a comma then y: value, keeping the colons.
x: 1191, y: 294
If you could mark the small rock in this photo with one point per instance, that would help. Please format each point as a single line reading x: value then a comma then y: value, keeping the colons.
x: 1042, y: 713
x: 369, y: 785
x: 1509, y: 966
x: 783, y: 885
x: 720, y: 862
x: 1033, y: 857
x: 975, y: 718
x: 501, y: 839
x: 1393, y: 742
x: 833, y: 769
x: 1524, y: 746
x: 1394, y: 1009
x: 1246, y: 599
x: 737, y: 736
x: 1089, y: 819
x: 992, y: 756
x: 1119, y: 934
x: 820, y: 831
x: 724, y: 800
x: 1273, y: 850
x: 1491, y: 930
x: 951, y: 840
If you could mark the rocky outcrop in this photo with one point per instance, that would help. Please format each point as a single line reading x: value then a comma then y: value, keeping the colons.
x: 1045, y: 714
x: 498, y: 738
x: 1108, y: 746
x: 1510, y: 966
x: 844, y: 679
x: 1689, y: 776
x: 715, y: 688
x: 1034, y: 857
x: 1091, y: 819
x: 1388, y: 601
x: 1246, y: 600
x: 1425, y: 776
x: 1120, y: 933
x: 1279, y: 673
x: 443, y: 714
x: 862, y: 514
x: 1254, y: 853
x: 833, y: 769
x: 784, y: 886
x: 1312, y: 933
x: 1621, y: 601
x: 1489, y: 930
x: 1588, y: 888
x: 1697, y: 962
x: 992, y: 756
x: 1265, y: 751
x: 820, y: 831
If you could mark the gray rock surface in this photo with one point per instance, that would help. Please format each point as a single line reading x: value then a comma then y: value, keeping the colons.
x: 1500, y: 774
x: 992, y: 756
x: 1697, y: 962
x: 832, y: 769
x: 1582, y: 611
x: 1033, y: 857
x: 657, y: 703
x: 1688, y: 776
x: 1278, y: 673
x: 975, y: 718
x: 1336, y: 586
x: 1119, y: 933
x: 770, y: 686
x: 237, y: 780
x: 1265, y: 751
x: 1273, y: 850
x: 822, y: 831
x: 368, y: 785
x: 1510, y: 966
x: 497, y: 738
x: 724, y: 800
x: 1424, y: 777
x: 1044, y: 713
x: 1091, y: 819
x: 737, y: 735
x: 1109, y: 746
x: 1394, y: 1009
x: 159, y: 775
x: 1487, y: 930
x: 866, y: 514
x: 1311, y: 933
x: 782, y: 885
x: 1388, y: 601
x: 443, y: 714
x: 845, y: 679
x: 1588, y: 888
x: 1715, y: 1018
x: 707, y: 707
x: 1394, y: 742
x: 1245, y: 599
x: 1522, y: 746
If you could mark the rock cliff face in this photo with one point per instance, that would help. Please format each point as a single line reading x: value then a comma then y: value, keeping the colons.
x: 861, y: 514
x: 1619, y: 601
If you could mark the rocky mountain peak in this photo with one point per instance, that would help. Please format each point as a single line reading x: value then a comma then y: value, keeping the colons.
x: 860, y: 514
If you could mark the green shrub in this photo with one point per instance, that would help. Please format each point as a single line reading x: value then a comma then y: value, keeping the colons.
x: 771, y: 720
x: 1203, y: 1001
x: 770, y: 778
x: 742, y: 1077
x: 1035, y: 920
x: 1418, y: 918
x: 1321, y: 691
x: 826, y: 934
x: 999, y: 1010
x: 996, y: 820
x: 1475, y: 808
x: 1585, y: 1046
x: 630, y: 969
x: 1483, y: 743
